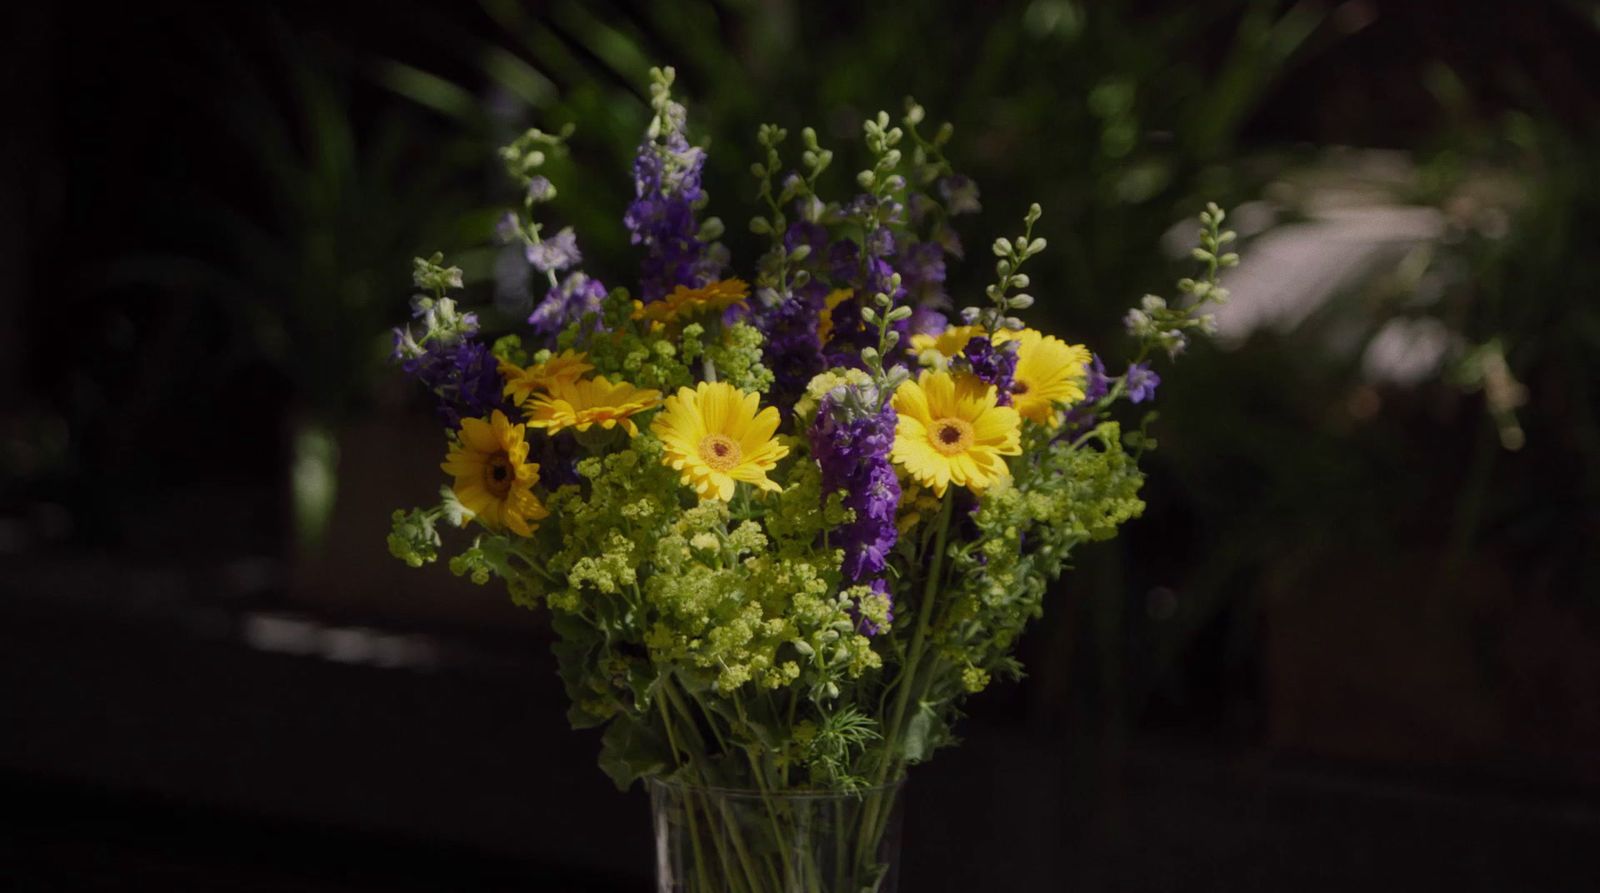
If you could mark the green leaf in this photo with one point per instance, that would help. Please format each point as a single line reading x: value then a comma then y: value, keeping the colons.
x: 630, y: 750
x: 925, y: 733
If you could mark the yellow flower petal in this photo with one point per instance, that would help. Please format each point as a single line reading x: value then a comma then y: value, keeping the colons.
x: 715, y: 435
x: 493, y: 480
x: 950, y: 428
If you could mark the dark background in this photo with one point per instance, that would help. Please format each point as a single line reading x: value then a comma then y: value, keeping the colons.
x: 1353, y: 644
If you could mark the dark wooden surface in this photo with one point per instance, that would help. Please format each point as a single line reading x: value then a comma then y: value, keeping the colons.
x: 156, y: 743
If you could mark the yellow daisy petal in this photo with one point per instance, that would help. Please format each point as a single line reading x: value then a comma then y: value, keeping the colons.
x: 716, y: 435
x: 950, y: 428
x: 493, y: 480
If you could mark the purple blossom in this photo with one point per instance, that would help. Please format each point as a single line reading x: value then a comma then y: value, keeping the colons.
x: 960, y: 194
x: 662, y: 218
x: 507, y: 227
x: 804, y: 232
x: 576, y: 297
x: 994, y: 364
x: 1098, y: 384
x: 557, y: 253
x: 539, y: 189
x: 852, y: 452
x: 791, y: 350
x: 1082, y: 416
x: 465, y: 377
x: 866, y: 276
x: 927, y: 321
x: 922, y: 271
x: 1141, y: 382
x: 557, y: 457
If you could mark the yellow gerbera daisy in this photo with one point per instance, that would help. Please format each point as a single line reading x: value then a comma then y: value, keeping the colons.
x: 566, y: 367
x: 950, y: 342
x: 686, y: 302
x: 1050, y: 373
x: 952, y: 429
x: 825, y: 318
x: 588, y: 402
x: 715, y: 435
x: 494, y: 480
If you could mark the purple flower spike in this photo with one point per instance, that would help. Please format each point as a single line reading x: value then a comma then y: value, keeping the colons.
x: 853, y: 454
x: 662, y: 218
x: 577, y: 296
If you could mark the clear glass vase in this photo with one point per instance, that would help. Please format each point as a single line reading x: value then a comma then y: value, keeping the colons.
x: 719, y: 840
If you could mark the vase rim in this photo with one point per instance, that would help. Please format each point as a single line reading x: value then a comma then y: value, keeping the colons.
x: 796, y: 793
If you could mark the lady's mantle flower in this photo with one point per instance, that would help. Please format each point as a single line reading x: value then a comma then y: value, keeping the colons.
x: 952, y: 429
x: 1141, y: 382
x: 493, y: 479
x: 716, y: 435
x: 584, y: 404
x: 563, y: 368
x: 686, y: 302
x: 1050, y: 376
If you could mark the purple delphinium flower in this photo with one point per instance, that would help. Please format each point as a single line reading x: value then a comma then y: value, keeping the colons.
x: 557, y: 456
x: 852, y: 451
x: 507, y: 228
x: 927, y: 321
x: 576, y: 297
x: 540, y: 189
x: 1141, y: 382
x: 557, y: 253
x: 1098, y: 383
x: 662, y: 218
x: 465, y: 377
x: 812, y: 235
x: 993, y: 364
x: 922, y: 272
x: 866, y: 277
x: 1082, y: 416
x: 791, y: 350
x: 960, y: 194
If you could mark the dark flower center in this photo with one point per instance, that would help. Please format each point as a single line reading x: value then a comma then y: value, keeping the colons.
x: 498, y: 474
x: 720, y: 451
x: 1019, y: 387
x: 951, y: 436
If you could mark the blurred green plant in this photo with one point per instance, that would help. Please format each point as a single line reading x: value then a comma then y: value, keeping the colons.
x: 307, y: 259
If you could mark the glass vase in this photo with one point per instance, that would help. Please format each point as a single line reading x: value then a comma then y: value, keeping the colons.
x: 720, y: 840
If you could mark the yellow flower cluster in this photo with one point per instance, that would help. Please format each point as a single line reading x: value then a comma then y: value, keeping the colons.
x: 715, y: 435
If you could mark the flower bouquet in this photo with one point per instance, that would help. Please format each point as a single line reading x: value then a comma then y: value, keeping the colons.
x: 784, y: 525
